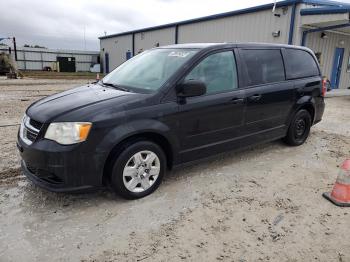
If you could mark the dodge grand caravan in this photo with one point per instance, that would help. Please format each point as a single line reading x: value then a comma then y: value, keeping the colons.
x: 166, y: 107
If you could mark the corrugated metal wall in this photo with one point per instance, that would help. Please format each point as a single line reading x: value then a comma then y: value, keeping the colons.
x: 150, y: 39
x: 38, y: 58
x: 297, y: 36
x: 116, y: 48
x: 254, y: 27
x: 327, y: 48
x: 249, y: 27
x: 301, y: 21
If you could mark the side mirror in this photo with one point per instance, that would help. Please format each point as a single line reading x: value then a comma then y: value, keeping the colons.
x: 191, y: 88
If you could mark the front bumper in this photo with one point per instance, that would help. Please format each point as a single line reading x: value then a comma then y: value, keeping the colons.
x: 60, y: 168
x: 50, y: 185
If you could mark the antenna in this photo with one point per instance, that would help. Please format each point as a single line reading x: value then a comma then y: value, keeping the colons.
x: 274, y: 7
x: 84, y: 38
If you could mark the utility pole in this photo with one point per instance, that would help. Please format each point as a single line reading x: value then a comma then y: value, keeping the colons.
x: 15, y: 47
x: 84, y: 38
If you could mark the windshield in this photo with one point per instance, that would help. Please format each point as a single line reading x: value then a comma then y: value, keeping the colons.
x: 149, y: 70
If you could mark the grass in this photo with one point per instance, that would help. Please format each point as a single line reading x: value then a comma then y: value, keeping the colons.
x: 59, y: 75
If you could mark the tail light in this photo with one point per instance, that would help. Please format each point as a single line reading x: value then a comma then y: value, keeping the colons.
x: 324, y: 87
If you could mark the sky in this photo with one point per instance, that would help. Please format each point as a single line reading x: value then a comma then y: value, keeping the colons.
x: 61, y: 23
x: 77, y: 24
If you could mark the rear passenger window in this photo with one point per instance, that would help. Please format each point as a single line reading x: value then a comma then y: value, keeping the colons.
x: 299, y: 64
x: 217, y: 71
x: 263, y: 66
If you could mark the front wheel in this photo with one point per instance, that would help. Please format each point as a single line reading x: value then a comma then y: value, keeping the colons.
x: 138, y: 170
x: 299, y: 128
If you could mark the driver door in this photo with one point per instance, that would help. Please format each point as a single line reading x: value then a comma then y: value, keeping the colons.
x: 212, y: 122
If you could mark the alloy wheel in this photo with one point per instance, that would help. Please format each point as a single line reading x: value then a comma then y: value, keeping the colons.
x: 141, y: 171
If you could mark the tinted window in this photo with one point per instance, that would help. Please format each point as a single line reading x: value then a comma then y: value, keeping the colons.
x: 217, y: 71
x: 300, y: 64
x: 263, y: 66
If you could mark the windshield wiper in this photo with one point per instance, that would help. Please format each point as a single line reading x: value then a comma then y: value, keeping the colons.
x: 115, y: 86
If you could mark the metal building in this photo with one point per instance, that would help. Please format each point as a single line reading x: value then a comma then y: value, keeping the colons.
x: 321, y: 25
x: 29, y: 58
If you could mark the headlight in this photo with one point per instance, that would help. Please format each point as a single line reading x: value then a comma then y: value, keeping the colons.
x: 68, y: 133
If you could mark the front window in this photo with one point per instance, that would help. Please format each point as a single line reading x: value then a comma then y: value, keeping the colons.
x: 218, y: 72
x: 149, y: 70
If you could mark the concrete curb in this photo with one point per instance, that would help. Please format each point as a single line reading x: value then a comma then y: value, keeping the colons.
x: 338, y: 92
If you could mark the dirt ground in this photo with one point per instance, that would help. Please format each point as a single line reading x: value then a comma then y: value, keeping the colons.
x: 261, y: 204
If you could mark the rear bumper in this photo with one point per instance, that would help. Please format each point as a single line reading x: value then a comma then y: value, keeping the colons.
x: 319, y: 110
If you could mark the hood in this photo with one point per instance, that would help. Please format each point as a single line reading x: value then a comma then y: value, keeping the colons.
x: 56, y: 105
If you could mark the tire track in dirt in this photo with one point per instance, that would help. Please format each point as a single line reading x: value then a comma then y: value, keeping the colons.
x: 10, y: 177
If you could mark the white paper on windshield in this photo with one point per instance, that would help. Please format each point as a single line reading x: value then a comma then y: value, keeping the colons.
x: 179, y: 54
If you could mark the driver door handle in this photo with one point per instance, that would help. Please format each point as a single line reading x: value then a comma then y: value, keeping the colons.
x: 237, y: 100
x: 254, y: 97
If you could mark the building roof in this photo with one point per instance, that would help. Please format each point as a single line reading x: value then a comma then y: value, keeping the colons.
x: 328, y: 4
x: 326, y: 10
x: 49, y: 50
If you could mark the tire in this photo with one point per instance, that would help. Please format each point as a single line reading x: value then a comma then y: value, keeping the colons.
x: 132, y: 173
x: 299, y: 128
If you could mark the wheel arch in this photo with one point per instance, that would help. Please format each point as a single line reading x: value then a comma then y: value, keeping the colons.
x: 153, y: 136
x: 306, y: 103
x: 310, y: 108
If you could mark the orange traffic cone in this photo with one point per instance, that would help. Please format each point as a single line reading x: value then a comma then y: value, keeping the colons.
x: 340, y: 195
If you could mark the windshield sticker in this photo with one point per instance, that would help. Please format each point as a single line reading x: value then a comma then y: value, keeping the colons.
x: 179, y: 54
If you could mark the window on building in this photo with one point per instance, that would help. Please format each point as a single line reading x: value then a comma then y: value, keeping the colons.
x: 299, y: 64
x: 217, y: 71
x: 348, y: 65
x: 263, y: 66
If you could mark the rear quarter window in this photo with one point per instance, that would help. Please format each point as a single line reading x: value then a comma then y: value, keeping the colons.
x: 300, y: 64
x: 263, y: 66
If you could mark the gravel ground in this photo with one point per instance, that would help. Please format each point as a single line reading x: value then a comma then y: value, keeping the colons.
x: 260, y: 204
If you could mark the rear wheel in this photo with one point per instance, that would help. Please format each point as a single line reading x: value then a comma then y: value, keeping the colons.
x: 138, y: 170
x: 299, y: 128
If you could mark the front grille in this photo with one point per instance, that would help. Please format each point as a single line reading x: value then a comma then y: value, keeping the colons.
x: 31, y: 135
x: 35, y: 124
x: 29, y: 130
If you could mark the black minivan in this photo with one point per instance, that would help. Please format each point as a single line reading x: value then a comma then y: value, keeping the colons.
x: 166, y: 107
